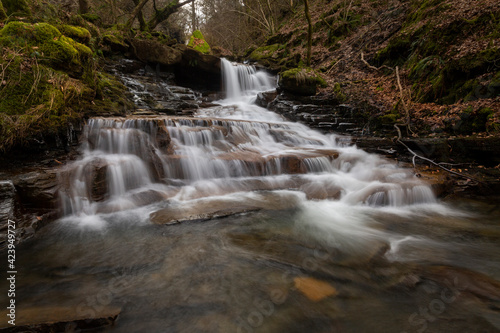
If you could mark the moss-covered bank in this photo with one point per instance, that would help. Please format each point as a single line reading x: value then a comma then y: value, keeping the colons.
x: 49, y: 81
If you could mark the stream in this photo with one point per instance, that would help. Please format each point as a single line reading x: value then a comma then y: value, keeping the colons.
x: 233, y: 219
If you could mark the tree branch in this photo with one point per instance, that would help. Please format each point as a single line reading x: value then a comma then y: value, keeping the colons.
x: 415, y: 155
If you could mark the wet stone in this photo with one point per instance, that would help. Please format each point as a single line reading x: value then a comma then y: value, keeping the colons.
x: 61, y: 319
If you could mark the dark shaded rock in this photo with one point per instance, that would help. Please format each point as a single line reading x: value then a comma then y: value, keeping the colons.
x: 156, y: 52
x: 266, y: 97
x: 320, y: 112
x: 61, y: 319
x: 37, y: 189
x: 98, y: 174
x: 7, y: 201
x: 198, y: 70
x: 114, y: 43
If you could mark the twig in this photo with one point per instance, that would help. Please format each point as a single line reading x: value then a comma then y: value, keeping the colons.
x: 327, y: 24
x: 373, y: 67
x: 333, y: 66
x: 407, y: 110
x: 36, y: 80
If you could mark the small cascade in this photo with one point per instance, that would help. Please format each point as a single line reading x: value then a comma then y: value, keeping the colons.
x: 243, y: 80
x: 233, y: 147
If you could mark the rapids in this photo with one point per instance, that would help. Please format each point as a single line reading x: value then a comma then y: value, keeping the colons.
x: 278, y: 228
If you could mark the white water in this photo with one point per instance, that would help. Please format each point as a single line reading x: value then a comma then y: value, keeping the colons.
x: 226, y: 153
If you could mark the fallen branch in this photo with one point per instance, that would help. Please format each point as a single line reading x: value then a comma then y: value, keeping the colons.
x: 415, y: 155
x: 405, y: 106
x: 373, y: 67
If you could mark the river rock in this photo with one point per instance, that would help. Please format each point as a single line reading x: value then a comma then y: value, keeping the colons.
x: 265, y: 97
x: 461, y: 280
x: 37, y: 189
x: 7, y: 201
x: 314, y: 289
x: 61, y: 319
x: 213, y: 207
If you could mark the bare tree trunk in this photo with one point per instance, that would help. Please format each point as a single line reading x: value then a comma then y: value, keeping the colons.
x: 309, y: 32
x: 162, y: 14
x: 84, y: 6
x: 193, y: 16
x: 140, y: 17
x: 135, y: 12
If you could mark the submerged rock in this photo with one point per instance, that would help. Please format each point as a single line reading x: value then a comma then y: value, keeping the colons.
x: 62, y: 319
x: 314, y: 289
x: 213, y: 207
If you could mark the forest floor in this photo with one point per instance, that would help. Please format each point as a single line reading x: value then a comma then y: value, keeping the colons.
x: 447, y: 54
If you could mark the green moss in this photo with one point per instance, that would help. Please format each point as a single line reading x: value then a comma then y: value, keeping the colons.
x: 114, y: 38
x: 93, y: 18
x: 265, y: 52
x: 198, y: 42
x: 61, y: 51
x: 79, y: 34
x: 17, y: 7
x: 3, y: 14
x: 473, y: 121
x: 301, y: 80
x: 388, y: 119
x: 37, y: 32
x: 339, y: 94
x: 78, y: 20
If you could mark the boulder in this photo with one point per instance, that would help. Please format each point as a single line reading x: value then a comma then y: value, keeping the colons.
x: 266, y: 97
x: 198, y: 70
x: 156, y: 52
x: 37, y: 189
x: 300, y: 81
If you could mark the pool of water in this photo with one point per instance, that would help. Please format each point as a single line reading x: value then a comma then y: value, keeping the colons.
x: 320, y: 267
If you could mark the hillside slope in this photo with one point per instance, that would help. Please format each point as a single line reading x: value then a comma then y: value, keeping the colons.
x: 446, y: 52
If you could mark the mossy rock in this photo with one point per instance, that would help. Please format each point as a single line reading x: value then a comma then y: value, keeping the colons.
x: 115, y: 41
x: 39, y: 102
x: 273, y: 51
x: 47, y: 41
x: 79, y: 21
x: 79, y: 34
x: 92, y: 18
x: 198, y: 42
x: 473, y: 121
x: 300, y: 81
x: 30, y: 33
x: 17, y: 7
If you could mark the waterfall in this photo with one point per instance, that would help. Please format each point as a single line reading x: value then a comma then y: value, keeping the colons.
x: 225, y: 150
x: 243, y: 80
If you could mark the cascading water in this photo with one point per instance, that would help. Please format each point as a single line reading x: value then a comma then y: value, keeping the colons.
x: 219, y: 151
x: 318, y: 237
x: 130, y: 162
